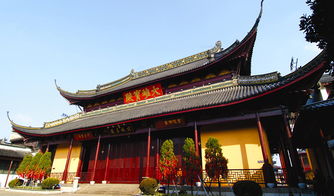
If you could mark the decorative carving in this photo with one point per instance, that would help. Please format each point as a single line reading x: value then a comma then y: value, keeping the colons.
x: 258, y: 79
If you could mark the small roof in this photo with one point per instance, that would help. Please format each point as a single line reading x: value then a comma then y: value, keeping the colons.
x: 13, y: 151
x: 312, y: 118
x: 326, y: 78
x: 223, y: 94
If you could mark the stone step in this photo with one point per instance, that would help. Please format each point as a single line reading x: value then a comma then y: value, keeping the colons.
x: 109, y: 189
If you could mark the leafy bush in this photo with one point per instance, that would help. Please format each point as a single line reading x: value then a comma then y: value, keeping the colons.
x: 148, y: 186
x: 249, y: 188
x: 49, y: 183
x: 15, y: 182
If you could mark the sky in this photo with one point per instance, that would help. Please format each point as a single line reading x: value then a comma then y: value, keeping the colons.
x: 83, y: 43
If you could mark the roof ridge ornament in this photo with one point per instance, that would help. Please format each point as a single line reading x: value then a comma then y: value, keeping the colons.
x: 133, y: 74
x: 217, y: 48
x: 55, y: 80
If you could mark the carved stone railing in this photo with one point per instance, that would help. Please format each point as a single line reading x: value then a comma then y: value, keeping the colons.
x: 234, y: 175
x: 59, y: 175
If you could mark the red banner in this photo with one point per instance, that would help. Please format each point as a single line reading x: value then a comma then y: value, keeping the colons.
x: 147, y: 92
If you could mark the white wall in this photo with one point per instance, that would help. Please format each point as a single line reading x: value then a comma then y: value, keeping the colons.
x: 3, y: 179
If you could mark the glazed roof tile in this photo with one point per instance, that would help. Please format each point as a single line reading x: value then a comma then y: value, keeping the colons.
x: 216, y: 95
x: 177, y: 67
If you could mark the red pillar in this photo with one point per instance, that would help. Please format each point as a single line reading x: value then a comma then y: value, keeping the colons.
x: 296, y: 164
x: 262, y: 139
x: 96, y: 156
x: 64, y: 178
x: 157, y: 160
x: 148, y: 152
x: 82, y: 155
x: 47, y: 147
x: 10, y: 167
x: 107, y: 163
x: 196, y: 140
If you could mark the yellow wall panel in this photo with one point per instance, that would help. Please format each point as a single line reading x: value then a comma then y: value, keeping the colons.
x: 75, y: 156
x: 240, y: 143
x: 59, y: 161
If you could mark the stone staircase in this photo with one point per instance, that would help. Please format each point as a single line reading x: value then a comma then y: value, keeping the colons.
x: 109, y: 189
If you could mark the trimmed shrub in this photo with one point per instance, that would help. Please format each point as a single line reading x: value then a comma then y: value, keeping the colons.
x: 44, y: 166
x: 23, y: 168
x: 49, y: 183
x: 15, y: 182
x: 168, y: 160
x: 247, y: 187
x: 33, y: 167
x: 148, y: 186
x: 216, y: 163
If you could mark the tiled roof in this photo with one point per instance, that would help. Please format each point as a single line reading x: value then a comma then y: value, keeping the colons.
x: 319, y: 105
x: 326, y: 78
x: 215, y: 95
x: 13, y: 151
x: 194, y: 62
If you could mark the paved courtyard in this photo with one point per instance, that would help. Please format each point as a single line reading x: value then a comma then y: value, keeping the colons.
x: 8, y: 193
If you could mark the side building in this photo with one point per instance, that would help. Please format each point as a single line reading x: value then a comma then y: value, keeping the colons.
x: 10, y: 157
x: 118, y: 135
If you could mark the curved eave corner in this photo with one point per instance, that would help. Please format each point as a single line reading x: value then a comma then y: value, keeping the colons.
x: 18, y: 128
x: 307, y: 74
x: 82, y: 95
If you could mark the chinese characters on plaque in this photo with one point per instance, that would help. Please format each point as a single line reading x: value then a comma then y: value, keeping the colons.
x: 169, y: 123
x: 83, y: 136
x: 147, y: 92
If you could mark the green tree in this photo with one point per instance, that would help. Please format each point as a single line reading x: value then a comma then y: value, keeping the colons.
x: 216, y: 163
x: 33, y: 167
x: 23, y: 168
x: 168, y: 161
x: 319, y: 25
x: 191, y: 162
x: 44, y: 166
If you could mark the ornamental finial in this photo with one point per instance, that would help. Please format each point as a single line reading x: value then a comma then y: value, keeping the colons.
x: 56, y: 84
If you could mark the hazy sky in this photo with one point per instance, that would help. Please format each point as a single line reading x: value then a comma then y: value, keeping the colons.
x: 84, y: 43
